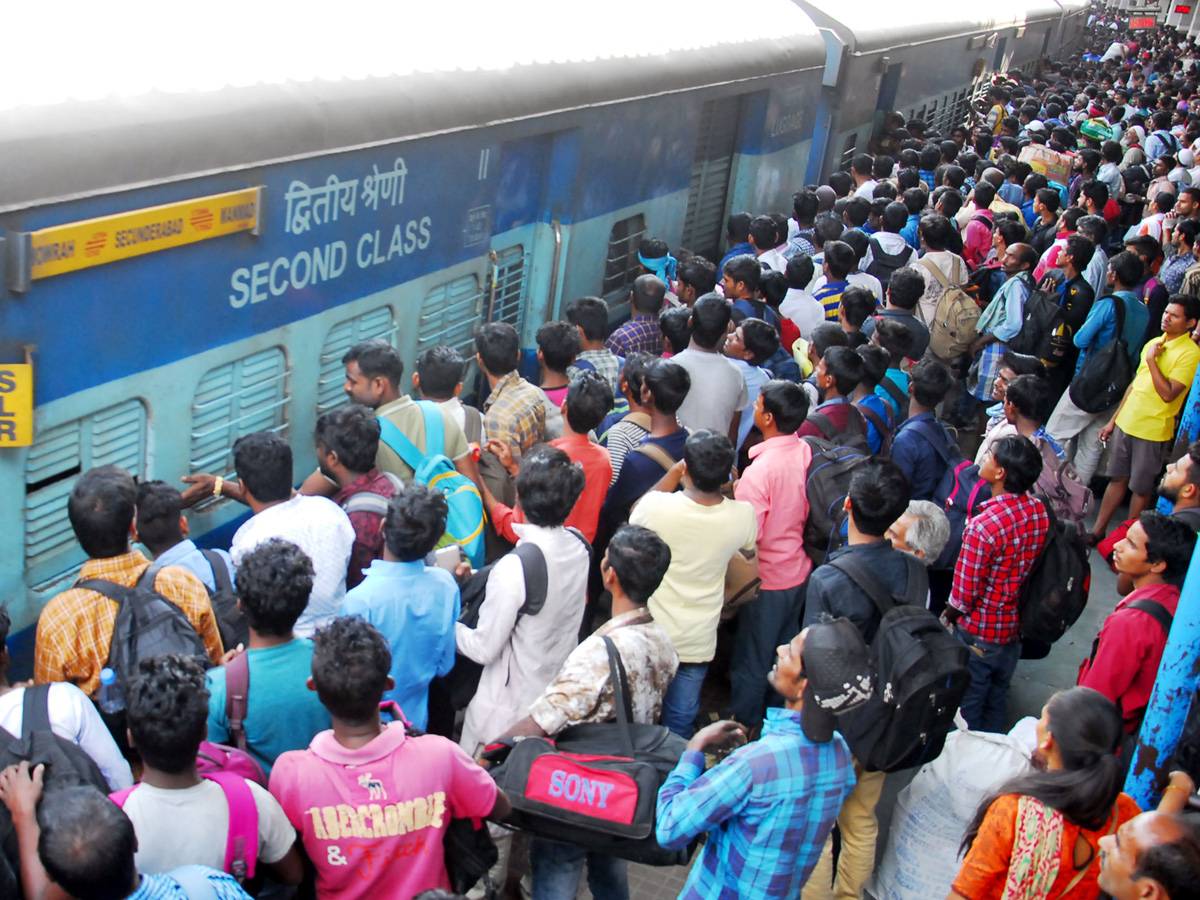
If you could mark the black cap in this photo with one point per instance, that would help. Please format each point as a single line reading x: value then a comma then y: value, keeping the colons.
x: 839, y: 676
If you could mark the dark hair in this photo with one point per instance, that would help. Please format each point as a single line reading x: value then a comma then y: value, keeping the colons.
x: 1093, y: 228
x: 935, y: 229
x: 773, y: 286
x: 589, y: 398
x: 738, y: 227
x: 376, y: 358
x: 710, y: 458
x: 828, y: 227
x: 352, y: 432
x: 1127, y: 267
x: 274, y: 581
x: 649, y: 293
x: 158, y: 507
x: 985, y: 193
x: 799, y: 271
x: 840, y: 258
x: 894, y: 337
x: 1071, y: 217
x: 166, y: 703
x: 858, y: 242
x: 762, y: 234
x: 641, y: 559
x: 858, y: 303
x: 560, y: 343
x: 498, y: 347
x: 1189, y: 302
x: 1096, y: 191
x: 804, y: 205
x: 415, y: 522
x: 761, y: 339
x: 351, y: 662
x: 1168, y: 540
x: 879, y: 495
x: 905, y: 288
x: 440, y: 369
x: 1175, y: 865
x: 1049, y: 198
x: 548, y: 484
x: 1011, y: 232
x: 698, y: 273
x: 845, y: 368
x: 1188, y: 229
x: 746, y: 268
x: 914, y: 199
x: 1023, y: 363
x: 590, y: 314
x: 862, y: 164
x: 263, y: 461
x: 5, y: 625
x: 668, y: 383
x: 86, y: 843
x: 101, y: 509
x: 895, y: 215
x: 710, y: 320
x: 876, y: 362
x: 1087, y: 729
x: 826, y: 335
x: 841, y: 182
x: 1020, y: 460
x: 634, y: 371
x: 1031, y: 396
x: 787, y: 402
x: 857, y: 210
x: 930, y: 380
x: 1081, y: 251
x: 675, y: 324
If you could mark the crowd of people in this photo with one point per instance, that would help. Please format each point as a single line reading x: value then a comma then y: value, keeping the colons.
x: 456, y: 575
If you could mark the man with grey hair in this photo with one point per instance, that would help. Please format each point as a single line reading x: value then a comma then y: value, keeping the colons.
x: 923, y: 531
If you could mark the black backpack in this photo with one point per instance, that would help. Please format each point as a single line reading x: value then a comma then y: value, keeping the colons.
x: 884, y: 264
x: 920, y: 676
x: 1041, y: 317
x: 855, y: 434
x: 826, y: 487
x: 1055, y: 591
x: 147, y: 624
x: 232, y: 624
x: 1104, y: 376
x: 67, y: 765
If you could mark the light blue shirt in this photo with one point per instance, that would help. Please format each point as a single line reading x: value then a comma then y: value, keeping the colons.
x: 188, y: 556
x: 1101, y: 325
x: 415, y: 607
x: 1012, y: 294
x: 756, y: 377
x: 281, y: 712
x: 1096, y: 272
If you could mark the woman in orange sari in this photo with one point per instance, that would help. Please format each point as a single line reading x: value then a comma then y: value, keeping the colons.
x: 1037, y: 837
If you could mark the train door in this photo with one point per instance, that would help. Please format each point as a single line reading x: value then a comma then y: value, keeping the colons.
x: 889, y: 87
x: 999, y: 61
x: 712, y: 167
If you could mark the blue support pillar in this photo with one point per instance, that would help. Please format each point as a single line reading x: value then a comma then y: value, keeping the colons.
x: 1172, y: 696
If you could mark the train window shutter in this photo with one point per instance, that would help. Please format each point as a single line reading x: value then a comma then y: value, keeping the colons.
x: 621, y: 263
x: 712, y: 166
x: 450, y: 314
x: 113, y: 436
x: 508, y: 304
x: 378, y: 323
x: 233, y: 400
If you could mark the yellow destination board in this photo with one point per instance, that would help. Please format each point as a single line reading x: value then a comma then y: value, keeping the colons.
x: 94, y: 242
x: 16, y: 405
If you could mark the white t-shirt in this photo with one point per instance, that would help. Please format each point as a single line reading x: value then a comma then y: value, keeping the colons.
x: 867, y: 189
x: 73, y: 717
x: 320, y: 528
x: 191, y: 826
x: 804, y: 310
x: 718, y: 391
x: 702, y: 540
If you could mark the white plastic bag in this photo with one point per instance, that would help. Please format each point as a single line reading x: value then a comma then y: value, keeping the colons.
x: 921, y: 859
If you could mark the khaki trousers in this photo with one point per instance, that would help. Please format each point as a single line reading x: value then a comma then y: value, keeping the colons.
x: 859, y: 829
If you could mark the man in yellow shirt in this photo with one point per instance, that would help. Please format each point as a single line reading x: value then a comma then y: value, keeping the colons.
x: 1144, y: 424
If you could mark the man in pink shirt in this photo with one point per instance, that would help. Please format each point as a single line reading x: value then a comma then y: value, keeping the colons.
x: 977, y: 235
x: 372, y: 804
x: 588, y: 401
x: 774, y: 485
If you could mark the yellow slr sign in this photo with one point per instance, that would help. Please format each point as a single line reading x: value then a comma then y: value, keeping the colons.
x: 16, y: 405
x: 94, y: 242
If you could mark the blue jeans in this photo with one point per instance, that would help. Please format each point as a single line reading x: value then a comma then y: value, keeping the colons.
x: 681, y: 703
x: 984, y: 704
x: 556, y: 869
x: 771, y: 619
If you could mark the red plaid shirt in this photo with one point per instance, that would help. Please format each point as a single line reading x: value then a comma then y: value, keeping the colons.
x: 999, y: 547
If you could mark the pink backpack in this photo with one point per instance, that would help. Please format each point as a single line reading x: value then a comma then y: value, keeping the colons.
x: 241, y: 844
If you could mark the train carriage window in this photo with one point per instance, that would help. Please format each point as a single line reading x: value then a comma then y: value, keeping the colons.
x: 449, y: 315
x: 113, y: 436
x: 848, y: 150
x: 376, y: 323
x: 712, y: 165
x: 506, y: 302
x: 621, y: 264
x: 233, y: 400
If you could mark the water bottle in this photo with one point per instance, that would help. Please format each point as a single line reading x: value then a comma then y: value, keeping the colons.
x: 112, y: 693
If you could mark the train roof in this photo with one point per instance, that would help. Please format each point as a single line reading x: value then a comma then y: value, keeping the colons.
x: 102, y: 99
x: 874, y: 25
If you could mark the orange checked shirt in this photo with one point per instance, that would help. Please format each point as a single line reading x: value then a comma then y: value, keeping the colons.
x: 74, y: 631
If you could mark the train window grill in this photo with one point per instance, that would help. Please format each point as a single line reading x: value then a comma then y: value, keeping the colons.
x: 621, y: 264
x: 712, y: 166
x: 113, y: 436
x: 233, y: 400
x: 508, y: 284
x: 378, y: 323
x: 449, y: 314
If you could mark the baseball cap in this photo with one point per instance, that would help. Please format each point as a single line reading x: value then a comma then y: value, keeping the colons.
x: 839, y: 676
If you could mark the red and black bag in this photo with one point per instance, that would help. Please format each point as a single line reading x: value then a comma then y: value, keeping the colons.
x: 595, y: 786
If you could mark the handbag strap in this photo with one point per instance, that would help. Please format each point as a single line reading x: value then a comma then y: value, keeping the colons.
x: 1112, y: 827
x: 35, y: 710
x: 622, y: 705
x: 237, y: 697
x: 219, y: 569
x: 857, y: 571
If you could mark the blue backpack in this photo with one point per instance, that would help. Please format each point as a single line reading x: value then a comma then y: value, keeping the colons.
x: 464, y: 524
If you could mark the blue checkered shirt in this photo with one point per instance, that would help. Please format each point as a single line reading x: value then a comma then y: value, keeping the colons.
x: 164, y: 887
x: 639, y: 333
x: 768, y: 809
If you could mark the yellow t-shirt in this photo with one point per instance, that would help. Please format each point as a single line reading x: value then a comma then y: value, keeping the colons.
x: 1144, y: 414
x: 702, y: 540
